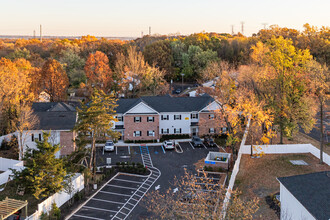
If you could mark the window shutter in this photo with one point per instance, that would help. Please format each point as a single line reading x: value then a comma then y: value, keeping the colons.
x: 180, y: 117
x: 134, y: 134
x: 162, y: 131
x: 180, y: 130
x: 168, y: 131
x: 197, y: 116
x: 32, y: 137
x: 140, y: 119
x: 140, y: 133
x: 174, y: 117
x: 191, y: 115
x: 153, y: 119
x: 209, y: 130
x: 162, y: 119
x: 39, y: 137
x: 134, y: 119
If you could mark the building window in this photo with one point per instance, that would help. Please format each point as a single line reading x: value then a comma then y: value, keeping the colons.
x: 211, y: 130
x: 120, y: 118
x: 137, y: 119
x: 211, y: 116
x: 177, y: 130
x: 32, y: 137
x: 165, y: 117
x: 151, y: 133
x: 224, y: 130
x: 194, y: 116
x: 177, y: 117
x: 137, y: 133
x: 150, y: 119
x: 165, y: 131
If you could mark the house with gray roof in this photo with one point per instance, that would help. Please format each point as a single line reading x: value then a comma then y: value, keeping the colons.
x: 150, y: 117
x: 305, y: 196
x: 57, y: 118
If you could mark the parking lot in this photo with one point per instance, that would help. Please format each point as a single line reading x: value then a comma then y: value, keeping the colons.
x: 120, y: 197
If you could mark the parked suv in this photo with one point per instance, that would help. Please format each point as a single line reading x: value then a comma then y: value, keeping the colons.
x: 109, y: 146
x: 209, y: 142
x: 168, y: 145
x: 196, y: 141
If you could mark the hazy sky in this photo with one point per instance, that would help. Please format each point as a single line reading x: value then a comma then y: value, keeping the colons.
x: 128, y: 18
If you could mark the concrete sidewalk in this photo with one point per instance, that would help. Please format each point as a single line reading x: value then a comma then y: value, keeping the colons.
x: 120, y: 144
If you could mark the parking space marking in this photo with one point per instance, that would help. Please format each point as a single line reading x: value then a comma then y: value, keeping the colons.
x: 116, y: 150
x: 109, y: 201
x: 129, y: 181
x: 99, y: 209
x: 163, y: 149
x: 118, y: 194
x: 180, y: 148
x: 82, y: 216
x: 191, y: 145
x: 124, y: 187
x: 204, y: 146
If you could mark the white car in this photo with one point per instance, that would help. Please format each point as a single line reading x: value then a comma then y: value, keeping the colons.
x: 168, y: 145
x: 109, y: 146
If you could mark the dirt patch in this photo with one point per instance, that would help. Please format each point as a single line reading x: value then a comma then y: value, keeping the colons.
x: 257, y: 177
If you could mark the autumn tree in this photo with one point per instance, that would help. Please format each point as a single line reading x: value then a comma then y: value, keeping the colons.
x: 285, y: 84
x: 196, y: 197
x: 14, y: 90
x: 43, y: 173
x: 95, y: 120
x: 54, y: 80
x: 98, y: 72
x: 320, y: 84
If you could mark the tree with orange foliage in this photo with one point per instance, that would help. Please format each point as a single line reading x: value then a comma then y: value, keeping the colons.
x: 98, y: 72
x: 54, y: 80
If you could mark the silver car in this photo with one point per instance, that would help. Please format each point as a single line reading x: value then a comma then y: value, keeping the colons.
x: 109, y: 146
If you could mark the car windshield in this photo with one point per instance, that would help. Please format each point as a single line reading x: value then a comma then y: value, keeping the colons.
x: 197, y: 139
x: 169, y: 143
x: 108, y: 144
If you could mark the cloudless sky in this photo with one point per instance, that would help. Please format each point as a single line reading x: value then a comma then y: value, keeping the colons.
x: 127, y: 18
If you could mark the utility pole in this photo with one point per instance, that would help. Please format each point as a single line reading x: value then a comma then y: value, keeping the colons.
x: 264, y: 24
x: 232, y: 29
x: 149, y: 31
x: 40, y: 33
x: 34, y: 34
x: 242, y: 22
x: 182, y: 74
x: 141, y: 34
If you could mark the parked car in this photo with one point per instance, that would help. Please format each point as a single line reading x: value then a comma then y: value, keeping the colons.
x: 196, y: 141
x: 178, y: 91
x: 109, y: 146
x: 168, y: 145
x: 209, y: 142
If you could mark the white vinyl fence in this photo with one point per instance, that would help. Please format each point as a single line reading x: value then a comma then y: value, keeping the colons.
x: 6, y: 165
x: 59, y: 198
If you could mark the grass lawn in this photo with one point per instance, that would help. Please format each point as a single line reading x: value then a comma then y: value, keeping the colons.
x: 257, y: 177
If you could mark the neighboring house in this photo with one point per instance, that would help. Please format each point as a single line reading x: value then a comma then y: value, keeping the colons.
x: 59, y: 119
x: 305, y: 196
x: 150, y: 117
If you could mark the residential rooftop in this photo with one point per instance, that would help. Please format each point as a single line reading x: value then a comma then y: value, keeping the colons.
x: 312, y: 191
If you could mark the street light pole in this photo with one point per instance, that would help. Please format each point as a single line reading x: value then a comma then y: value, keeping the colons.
x: 182, y: 74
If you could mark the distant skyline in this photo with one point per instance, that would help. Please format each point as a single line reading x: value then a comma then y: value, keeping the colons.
x: 127, y: 18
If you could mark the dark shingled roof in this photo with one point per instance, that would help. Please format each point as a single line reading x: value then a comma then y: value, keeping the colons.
x: 312, y: 191
x: 166, y: 103
x: 55, y: 115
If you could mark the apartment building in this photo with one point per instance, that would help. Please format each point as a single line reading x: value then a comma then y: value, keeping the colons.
x: 150, y: 117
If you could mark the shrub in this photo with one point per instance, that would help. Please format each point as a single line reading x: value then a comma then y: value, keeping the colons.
x: 174, y: 136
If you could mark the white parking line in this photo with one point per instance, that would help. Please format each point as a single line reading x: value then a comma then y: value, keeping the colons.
x: 116, y: 150
x: 132, y: 174
x: 106, y: 210
x: 129, y: 181
x: 102, y: 200
x: 163, y: 149
x: 124, y: 187
x: 204, y: 146
x: 118, y: 194
x: 180, y: 148
x: 191, y: 145
x: 83, y: 216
